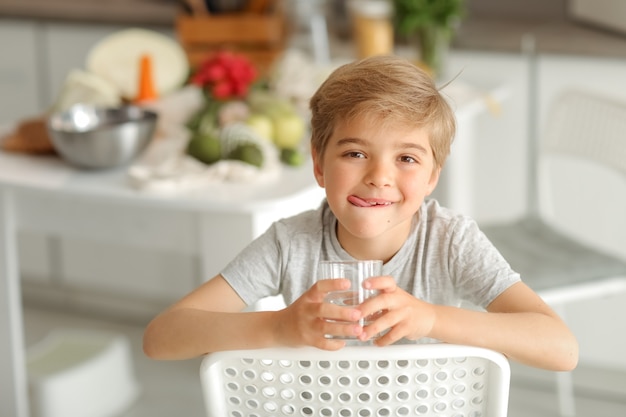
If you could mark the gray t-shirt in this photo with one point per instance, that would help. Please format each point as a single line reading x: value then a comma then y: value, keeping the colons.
x: 445, y: 260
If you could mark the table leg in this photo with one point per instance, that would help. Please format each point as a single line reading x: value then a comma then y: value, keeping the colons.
x: 457, y: 182
x: 221, y: 236
x: 13, y: 377
x: 565, y: 381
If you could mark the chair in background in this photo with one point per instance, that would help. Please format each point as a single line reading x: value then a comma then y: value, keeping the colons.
x: 584, y: 134
x: 357, y: 381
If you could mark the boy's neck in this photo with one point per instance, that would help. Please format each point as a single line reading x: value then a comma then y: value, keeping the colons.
x: 381, y: 247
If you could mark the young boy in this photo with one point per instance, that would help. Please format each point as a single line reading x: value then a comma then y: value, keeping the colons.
x: 381, y: 132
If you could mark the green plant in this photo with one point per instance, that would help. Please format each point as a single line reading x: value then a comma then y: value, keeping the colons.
x: 430, y: 23
x: 412, y: 15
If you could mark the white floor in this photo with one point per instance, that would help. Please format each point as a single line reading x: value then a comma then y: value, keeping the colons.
x: 172, y: 389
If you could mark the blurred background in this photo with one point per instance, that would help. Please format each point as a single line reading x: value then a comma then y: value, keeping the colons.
x: 512, y: 58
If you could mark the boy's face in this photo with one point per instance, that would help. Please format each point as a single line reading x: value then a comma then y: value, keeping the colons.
x: 375, y: 178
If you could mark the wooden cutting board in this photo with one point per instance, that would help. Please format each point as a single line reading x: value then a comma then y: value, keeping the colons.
x: 30, y: 136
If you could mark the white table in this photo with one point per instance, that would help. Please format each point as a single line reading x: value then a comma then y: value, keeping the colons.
x: 34, y: 194
x: 30, y: 187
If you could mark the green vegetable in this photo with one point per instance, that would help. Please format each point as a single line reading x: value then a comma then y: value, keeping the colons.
x: 248, y: 153
x: 206, y: 148
x: 291, y: 157
x: 411, y: 15
x: 205, y: 120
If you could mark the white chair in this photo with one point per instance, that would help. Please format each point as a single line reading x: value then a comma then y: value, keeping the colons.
x: 552, y: 246
x: 357, y: 381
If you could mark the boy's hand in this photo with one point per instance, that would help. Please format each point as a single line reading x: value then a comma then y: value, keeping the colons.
x: 305, y: 321
x: 403, y: 315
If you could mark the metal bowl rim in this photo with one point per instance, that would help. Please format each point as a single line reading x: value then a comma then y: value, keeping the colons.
x: 136, y: 114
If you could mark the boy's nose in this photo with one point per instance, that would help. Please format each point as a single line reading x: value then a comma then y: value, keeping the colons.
x: 379, y: 174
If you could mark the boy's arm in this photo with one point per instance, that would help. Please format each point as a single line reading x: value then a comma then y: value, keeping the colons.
x: 517, y: 323
x: 205, y: 321
x: 210, y: 319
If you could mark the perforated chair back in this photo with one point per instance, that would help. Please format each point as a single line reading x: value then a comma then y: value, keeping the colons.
x: 357, y: 381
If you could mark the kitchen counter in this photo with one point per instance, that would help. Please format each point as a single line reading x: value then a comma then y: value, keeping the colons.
x: 140, y: 12
x: 558, y: 36
x: 476, y: 33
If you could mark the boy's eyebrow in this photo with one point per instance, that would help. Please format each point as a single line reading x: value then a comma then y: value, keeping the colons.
x: 350, y: 141
x: 415, y: 146
x: 405, y: 145
x: 359, y: 141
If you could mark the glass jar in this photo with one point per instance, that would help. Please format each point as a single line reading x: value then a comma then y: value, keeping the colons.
x: 372, y: 27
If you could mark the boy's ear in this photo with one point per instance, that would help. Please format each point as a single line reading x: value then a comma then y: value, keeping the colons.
x: 432, y: 182
x: 318, y: 172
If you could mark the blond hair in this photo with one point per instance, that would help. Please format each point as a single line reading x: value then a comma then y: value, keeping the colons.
x: 390, y: 89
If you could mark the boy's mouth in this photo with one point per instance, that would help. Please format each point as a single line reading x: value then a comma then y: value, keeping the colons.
x: 360, y: 202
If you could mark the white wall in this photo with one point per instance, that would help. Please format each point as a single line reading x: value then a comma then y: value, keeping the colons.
x: 501, y: 134
x: 20, y: 87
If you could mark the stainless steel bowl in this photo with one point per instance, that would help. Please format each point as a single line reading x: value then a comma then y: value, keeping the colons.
x: 91, y: 137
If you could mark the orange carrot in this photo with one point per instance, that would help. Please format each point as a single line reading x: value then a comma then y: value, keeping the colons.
x: 146, y: 92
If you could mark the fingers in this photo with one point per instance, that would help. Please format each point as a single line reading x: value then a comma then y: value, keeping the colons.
x: 336, y: 312
x: 372, y: 307
x: 387, y: 338
x: 380, y: 327
x: 324, y: 286
x: 395, y: 314
x: 337, y: 320
x: 338, y: 329
x: 331, y: 344
x: 383, y: 283
x: 391, y: 315
x: 385, y: 328
x: 340, y: 321
x: 313, y: 318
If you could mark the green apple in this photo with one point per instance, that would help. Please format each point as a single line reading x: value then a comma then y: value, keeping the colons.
x: 205, y: 148
x: 289, y: 129
x: 262, y: 125
x: 249, y: 153
x: 291, y: 157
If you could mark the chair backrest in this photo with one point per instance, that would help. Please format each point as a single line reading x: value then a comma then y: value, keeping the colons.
x: 581, y: 176
x: 589, y: 126
x: 357, y: 381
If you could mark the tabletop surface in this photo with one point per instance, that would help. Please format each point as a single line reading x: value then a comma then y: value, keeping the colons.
x: 51, y: 174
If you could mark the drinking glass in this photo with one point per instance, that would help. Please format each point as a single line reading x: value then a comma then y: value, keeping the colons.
x: 357, y: 272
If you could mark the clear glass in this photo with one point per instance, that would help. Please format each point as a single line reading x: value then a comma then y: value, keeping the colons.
x: 357, y: 272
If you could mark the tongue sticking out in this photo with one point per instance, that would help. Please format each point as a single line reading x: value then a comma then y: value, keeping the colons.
x: 359, y: 202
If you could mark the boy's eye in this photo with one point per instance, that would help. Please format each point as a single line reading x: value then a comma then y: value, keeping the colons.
x: 354, y: 154
x: 408, y: 159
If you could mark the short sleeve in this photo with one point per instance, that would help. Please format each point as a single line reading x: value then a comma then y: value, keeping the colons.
x: 480, y: 273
